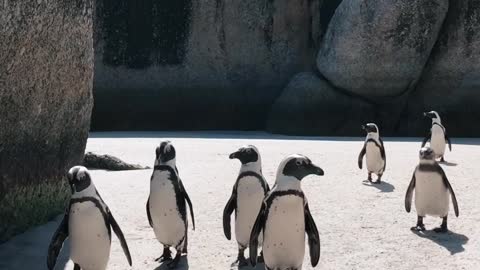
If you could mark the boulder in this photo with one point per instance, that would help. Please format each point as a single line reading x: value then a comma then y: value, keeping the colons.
x: 108, y: 162
x: 309, y: 105
x: 378, y: 49
x: 46, y: 76
x: 213, y: 64
x: 451, y: 79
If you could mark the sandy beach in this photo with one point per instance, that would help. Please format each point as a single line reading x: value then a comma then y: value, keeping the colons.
x: 362, y: 226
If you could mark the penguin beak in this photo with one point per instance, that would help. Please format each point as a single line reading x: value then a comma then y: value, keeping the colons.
x: 315, y: 170
x: 233, y: 155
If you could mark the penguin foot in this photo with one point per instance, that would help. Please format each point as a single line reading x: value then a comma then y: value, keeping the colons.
x: 418, y: 228
x: 378, y: 182
x: 442, y: 160
x: 174, y: 263
x: 240, y: 262
x: 441, y: 230
x: 260, y: 258
x: 166, y: 256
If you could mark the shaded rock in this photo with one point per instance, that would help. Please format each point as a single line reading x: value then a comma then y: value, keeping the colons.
x: 46, y: 76
x: 309, y: 105
x: 108, y: 162
x: 451, y: 79
x: 212, y: 64
x: 379, y: 48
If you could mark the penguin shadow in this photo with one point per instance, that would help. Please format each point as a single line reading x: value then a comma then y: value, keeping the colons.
x: 446, y: 163
x: 451, y: 241
x: 384, y: 187
x: 63, y: 260
x: 182, y: 265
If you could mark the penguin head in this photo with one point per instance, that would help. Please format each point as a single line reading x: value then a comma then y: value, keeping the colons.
x: 298, y: 166
x: 432, y: 115
x: 370, y: 128
x: 79, y: 178
x: 426, y: 153
x: 165, y: 153
x: 246, y: 154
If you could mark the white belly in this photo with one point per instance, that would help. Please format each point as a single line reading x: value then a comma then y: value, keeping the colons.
x: 431, y: 196
x: 250, y: 195
x: 375, y: 163
x: 284, y: 236
x: 168, y: 224
x: 89, y: 240
x: 437, y: 142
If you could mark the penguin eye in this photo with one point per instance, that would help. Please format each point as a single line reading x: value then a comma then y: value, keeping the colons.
x: 298, y: 162
x: 248, y: 151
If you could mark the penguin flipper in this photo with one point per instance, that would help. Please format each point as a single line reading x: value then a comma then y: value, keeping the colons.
x: 58, y: 238
x: 383, y: 154
x: 313, y: 237
x: 148, y: 213
x: 187, y: 198
x: 360, y: 156
x: 257, y: 228
x: 409, y: 195
x: 227, y: 212
x: 449, y: 187
x: 427, y: 138
x: 448, y: 141
x: 113, y: 223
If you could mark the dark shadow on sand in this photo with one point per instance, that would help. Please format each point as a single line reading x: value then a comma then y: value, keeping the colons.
x: 384, y: 187
x: 453, y: 242
x: 182, y: 264
x: 450, y: 164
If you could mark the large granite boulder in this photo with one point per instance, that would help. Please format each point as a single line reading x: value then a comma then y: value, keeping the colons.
x: 451, y: 80
x: 46, y: 74
x: 204, y: 64
x: 378, y: 49
x: 309, y: 105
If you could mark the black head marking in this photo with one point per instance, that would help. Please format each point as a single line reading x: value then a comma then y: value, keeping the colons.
x: 165, y: 152
x: 426, y: 153
x: 79, y: 178
x: 431, y: 115
x: 300, y: 167
x: 246, y: 154
x: 370, y: 127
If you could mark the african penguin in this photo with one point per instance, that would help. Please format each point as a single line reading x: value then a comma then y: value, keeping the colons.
x: 166, y: 205
x: 437, y: 136
x: 375, y: 151
x: 247, y: 196
x: 285, y: 218
x: 88, y: 223
x: 432, y: 191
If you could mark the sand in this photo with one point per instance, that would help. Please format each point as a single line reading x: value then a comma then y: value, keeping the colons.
x: 362, y: 226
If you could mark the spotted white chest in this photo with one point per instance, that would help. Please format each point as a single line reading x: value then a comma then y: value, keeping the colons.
x: 168, y: 225
x: 250, y: 195
x: 89, y: 239
x: 284, y: 236
x: 431, y: 195
x: 375, y: 162
x: 437, y: 141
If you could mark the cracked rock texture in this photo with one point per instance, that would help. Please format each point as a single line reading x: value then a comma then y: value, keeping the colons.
x: 46, y: 76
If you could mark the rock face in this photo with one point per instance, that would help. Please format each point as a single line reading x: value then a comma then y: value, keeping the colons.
x: 194, y: 64
x: 451, y: 79
x: 310, y: 105
x: 46, y: 76
x: 379, y: 48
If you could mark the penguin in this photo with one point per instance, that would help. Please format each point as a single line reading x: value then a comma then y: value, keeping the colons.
x: 247, y: 196
x: 432, y: 191
x: 87, y: 222
x: 375, y: 151
x: 166, y: 207
x: 437, y: 136
x: 285, y: 218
